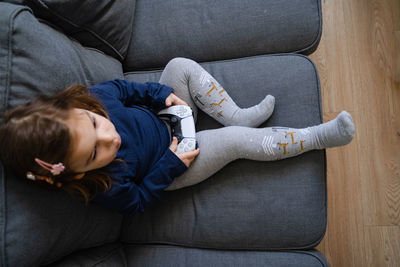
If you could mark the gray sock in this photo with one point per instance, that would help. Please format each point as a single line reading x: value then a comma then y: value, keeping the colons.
x: 337, y: 132
x: 211, y: 97
x: 282, y: 142
x: 220, y: 146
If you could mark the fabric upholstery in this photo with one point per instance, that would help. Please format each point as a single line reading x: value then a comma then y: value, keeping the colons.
x: 218, y: 30
x: 284, y: 200
x: 35, y: 59
x: 102, y: 24
x: 103, y: 256
x: 38, y: 226
x: 171, y: 256
x: 118, y: 254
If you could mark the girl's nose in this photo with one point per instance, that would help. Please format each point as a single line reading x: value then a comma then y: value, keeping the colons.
x: 106, y: 138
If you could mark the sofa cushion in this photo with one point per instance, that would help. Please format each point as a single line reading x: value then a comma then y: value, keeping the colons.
x: 103, y: 256
x: 249, y: 204
x: 118, y: 254
x: 35, y: 58
x: 220, y: 30
x: 39, y: 226
x: 171, y: 256
x: 102, y: 24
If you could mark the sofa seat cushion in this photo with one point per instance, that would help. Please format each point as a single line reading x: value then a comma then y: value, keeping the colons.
x: 220, y: 30
x: 249, y: 204
x: 118, y: 254
x: 38, y: 226
x: 171, y: 256
x: 107, y: 255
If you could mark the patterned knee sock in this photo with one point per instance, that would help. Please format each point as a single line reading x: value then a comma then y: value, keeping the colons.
x: 212, y: 98
x: 280, y: 142
x: 220, y: 146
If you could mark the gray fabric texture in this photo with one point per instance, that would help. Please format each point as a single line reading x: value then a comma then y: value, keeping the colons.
x: 117, y: 254
x: 220, y: 30
x: 284, y: 200
x: 36, y: 225
x: 36, y: 59
x: 170, y: 256
x: 102, y: 24
x: 41, y: 225
x: 104, y: 256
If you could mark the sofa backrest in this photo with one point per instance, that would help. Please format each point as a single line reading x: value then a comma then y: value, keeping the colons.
x: 102, y: 24
x: 217, y: 30
x: 37, y: 225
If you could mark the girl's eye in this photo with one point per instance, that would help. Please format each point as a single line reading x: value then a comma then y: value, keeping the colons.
x: 94, y: 122
x: 94, y: 153
x: 95, y: 148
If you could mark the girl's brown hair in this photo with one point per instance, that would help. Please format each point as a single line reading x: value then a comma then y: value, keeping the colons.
x: 38, y: 129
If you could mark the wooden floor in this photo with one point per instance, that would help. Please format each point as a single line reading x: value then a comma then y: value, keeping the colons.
x: 359, y: 66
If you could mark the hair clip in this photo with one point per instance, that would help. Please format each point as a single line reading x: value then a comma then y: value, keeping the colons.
x: 30, y: 176
x: 55, y: 169
x: 34, y: 177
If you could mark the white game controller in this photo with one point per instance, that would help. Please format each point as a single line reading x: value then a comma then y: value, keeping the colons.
x: 180, y: 118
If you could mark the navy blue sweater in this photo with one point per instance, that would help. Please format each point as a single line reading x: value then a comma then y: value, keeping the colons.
x: 150, y: 164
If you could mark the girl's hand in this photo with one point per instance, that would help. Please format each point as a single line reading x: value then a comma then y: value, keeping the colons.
x: 186, y: 157
x: 173, y: 100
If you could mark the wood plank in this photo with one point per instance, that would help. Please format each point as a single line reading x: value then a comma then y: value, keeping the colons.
x: 345, y: 230
x: 382, y: 246
x: 358, y: 60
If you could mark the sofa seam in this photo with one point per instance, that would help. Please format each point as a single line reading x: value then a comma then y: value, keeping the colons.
x: 311, y: 254
x: 6, y: 99
x: 207, y: 246
x: 89, y: 246
x: 9, y: 58
x: 317, y: 38
x: 109, y: 254
x: 314, y: 244
x: 305, y: 252
x: 158, y: 69
x: 130, y: 42
x: 56, y: 14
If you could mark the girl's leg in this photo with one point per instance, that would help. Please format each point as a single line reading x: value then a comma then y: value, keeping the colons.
x: 177, y: 76
x: 220, y: 146
x: 196, y: 86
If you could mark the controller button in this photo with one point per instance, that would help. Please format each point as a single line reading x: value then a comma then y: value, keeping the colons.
x: 187, y: 149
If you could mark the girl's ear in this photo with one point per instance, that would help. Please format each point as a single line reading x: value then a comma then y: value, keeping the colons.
x: 79, y: 176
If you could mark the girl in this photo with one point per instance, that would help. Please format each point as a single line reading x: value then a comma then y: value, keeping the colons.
x: 107, y: 144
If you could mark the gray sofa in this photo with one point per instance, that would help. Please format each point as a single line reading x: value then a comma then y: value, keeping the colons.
x: 249, y: 213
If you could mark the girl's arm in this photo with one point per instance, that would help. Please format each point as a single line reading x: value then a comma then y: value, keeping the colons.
x: 130, y: 198
x: 150, y: 94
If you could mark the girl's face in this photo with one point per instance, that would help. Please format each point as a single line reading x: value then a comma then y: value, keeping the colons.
x: 95, y: 141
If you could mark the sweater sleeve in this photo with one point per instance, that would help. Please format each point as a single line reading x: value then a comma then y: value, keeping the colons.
x: 130, y: 198
x: 150, y: 94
